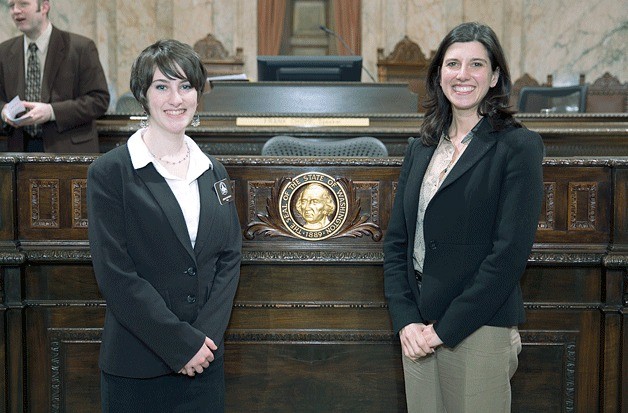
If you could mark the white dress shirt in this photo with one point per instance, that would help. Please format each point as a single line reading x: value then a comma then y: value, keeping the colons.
x: 185, y: 189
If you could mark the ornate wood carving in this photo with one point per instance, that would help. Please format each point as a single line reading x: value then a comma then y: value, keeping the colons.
x: 217, y: 59
x: 614, y: 260
x: 607, y: 94
x: 12, y: 258
x: 322, y: 304
x: 548, y: 211
x: 311, y: 336
x: 79, y: 204
x: 564, y: 258
x: 406, y: 63
x: 58, y: 255
x: 405, y: 52
x: 60, y: 338
x: 286, y: 255
x: 582, y: 205
x: 44, y: 203
x: 257, y: 190
x: 273, y: 223
x: 607, y: 84
x: 210, y: 48
x: 568, y: 341
x: 374, y: 194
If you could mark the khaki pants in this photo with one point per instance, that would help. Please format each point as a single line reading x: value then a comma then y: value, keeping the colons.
x: 472, y: 377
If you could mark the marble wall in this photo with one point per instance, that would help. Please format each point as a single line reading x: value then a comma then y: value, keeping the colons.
x: 564, y: 38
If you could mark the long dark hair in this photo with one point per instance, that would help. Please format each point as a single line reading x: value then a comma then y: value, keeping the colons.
x: 495, y: 105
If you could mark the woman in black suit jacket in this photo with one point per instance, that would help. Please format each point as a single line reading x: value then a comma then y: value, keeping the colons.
x: 461, y: 230
x: 166, y: 248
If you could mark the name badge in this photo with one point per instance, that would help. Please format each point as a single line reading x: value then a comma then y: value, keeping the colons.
x: 223, y: 191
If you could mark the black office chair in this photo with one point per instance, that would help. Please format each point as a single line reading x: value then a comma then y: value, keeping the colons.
x: 128, y: 104
x: 365, y: 146
x: 566, y: 99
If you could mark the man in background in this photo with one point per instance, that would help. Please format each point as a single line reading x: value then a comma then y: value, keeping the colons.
x: 58, y: 77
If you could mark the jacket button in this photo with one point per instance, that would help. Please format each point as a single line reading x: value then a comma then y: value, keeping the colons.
x: 191, y: 271
x: 191, y: 299
x: 432, y: 245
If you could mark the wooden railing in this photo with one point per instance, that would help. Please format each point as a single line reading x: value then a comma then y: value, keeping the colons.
x: 310, y: 329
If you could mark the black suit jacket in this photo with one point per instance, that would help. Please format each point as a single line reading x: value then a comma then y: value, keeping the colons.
x: 479, y: 228
x: 73, y: 83
x: 163, y: 296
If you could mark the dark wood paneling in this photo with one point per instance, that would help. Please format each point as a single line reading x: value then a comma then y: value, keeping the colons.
x: 310, y: 98
x: 310, y: 329
x: 7, y: 200
x: 545, y: 378
x: 583, y: 134
x: 52, y: 205
x: 314, y: 377
x: 12, y: 312
x: 3, y: 354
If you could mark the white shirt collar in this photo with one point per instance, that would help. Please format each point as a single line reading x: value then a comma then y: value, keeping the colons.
x: 141, y: 156
x: 42, y: 42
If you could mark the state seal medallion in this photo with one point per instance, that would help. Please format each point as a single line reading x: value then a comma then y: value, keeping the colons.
x: 313, y: 206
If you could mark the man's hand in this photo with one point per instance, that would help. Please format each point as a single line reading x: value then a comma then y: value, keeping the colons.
x: 201, y: 359
x: 37, y: 113
x: 5, y: 117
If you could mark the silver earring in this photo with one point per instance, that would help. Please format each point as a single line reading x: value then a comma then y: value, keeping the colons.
x: 144, y: 121
x: 196, y: 121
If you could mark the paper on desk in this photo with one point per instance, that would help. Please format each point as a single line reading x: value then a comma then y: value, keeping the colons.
x: 14, y: 109
x: 239, y: 76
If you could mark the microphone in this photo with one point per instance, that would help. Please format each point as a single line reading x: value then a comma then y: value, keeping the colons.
x: 346, y: 46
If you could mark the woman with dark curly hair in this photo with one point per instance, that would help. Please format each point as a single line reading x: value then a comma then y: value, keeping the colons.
x: 461, y: 230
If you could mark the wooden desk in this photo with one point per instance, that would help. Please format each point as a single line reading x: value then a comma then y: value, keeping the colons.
x: 310, y: 329
x: 563, y: 135
x: 309, y: 98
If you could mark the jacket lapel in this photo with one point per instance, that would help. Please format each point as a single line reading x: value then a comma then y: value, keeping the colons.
x: 15, y: 82
x: 209, y: 208
x: 479, y: 145
x: 415, y: 180
x: 168, y: 203
x: 56, y: 54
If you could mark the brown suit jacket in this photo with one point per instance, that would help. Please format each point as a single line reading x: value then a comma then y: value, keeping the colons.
x: 74, y: 83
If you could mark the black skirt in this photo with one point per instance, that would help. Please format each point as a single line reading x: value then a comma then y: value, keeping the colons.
x: 173, y: 393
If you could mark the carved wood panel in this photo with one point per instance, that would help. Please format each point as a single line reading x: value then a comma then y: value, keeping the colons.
x: 79, y: 203
x: 7, y: 224
x: 546, y: 220
x: 575, y: 208
x: 306, y: 310
x: 44, y: 207
x: 75, y: 376
x: 607, y: 94
x: 406, y: 63
x: 53, y: 202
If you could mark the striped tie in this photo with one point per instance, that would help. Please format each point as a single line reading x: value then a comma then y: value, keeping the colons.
x: 33, y: 84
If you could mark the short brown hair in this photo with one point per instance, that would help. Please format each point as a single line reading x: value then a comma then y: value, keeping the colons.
x: 170, y: 57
